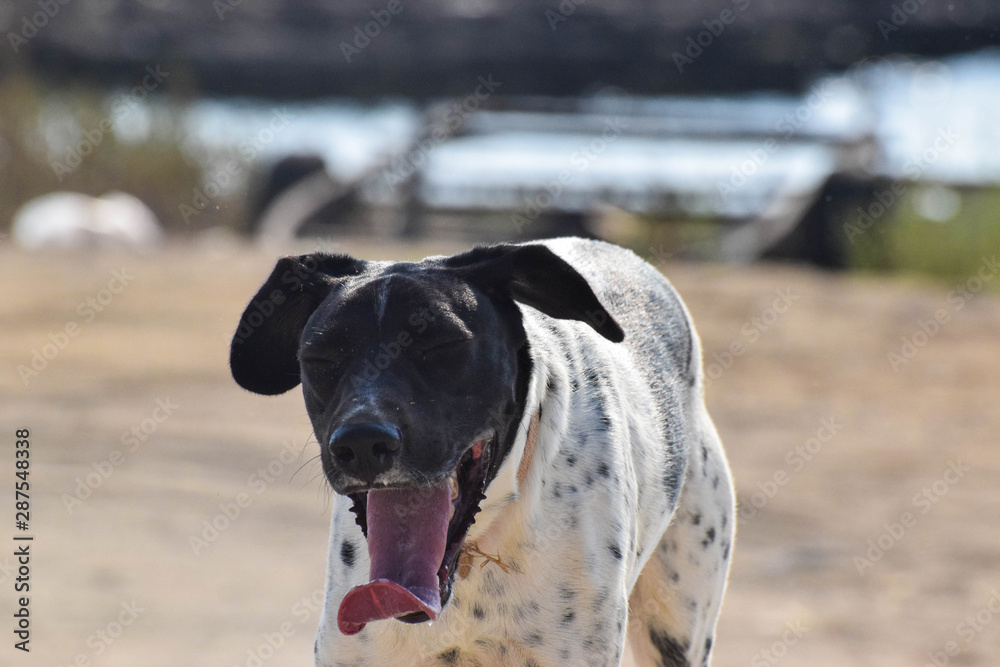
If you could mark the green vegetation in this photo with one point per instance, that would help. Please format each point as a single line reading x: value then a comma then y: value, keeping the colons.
x: 62, y: 139
x: 908, y: 242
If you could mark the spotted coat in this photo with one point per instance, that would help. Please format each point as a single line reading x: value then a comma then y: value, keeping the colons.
x: 615, y: 539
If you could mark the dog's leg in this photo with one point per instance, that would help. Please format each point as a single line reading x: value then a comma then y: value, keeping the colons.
x: 675, y: 603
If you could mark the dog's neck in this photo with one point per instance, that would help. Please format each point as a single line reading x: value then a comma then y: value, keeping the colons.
x: 529, y: 448
x: 520, y: 475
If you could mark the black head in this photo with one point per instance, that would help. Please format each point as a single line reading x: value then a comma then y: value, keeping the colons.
x: 413, y: 373
x: 405, y: 365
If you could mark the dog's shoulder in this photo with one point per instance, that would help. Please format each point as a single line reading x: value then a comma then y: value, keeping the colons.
x: 658, y: 329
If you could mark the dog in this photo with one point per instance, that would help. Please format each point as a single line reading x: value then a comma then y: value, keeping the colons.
x: 524, y: 467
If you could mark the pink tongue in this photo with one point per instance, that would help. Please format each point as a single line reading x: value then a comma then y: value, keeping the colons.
x: 407, y: 537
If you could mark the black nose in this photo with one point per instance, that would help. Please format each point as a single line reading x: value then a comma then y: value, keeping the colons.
x: 365, y: 450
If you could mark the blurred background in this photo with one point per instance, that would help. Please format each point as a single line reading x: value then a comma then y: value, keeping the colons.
x: 821, y: 181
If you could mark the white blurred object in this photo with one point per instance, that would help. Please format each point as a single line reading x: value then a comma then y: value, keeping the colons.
x: 69, y: 220
x: 938, y: 203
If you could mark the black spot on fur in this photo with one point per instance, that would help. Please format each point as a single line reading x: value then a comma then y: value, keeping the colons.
x: 715, y: 482
x: 478, y: 612
x: 605, y: 423
x: 534, y: 639
x: 602, y: 469
x: 450, y: 657
x: 725, y: 551
x: 347, y: 553
x: 708, y: 647
x: 672, y: 653
x: 567, y: 617
x: 696, y: 518
x: 593, y: 379
x: 571, y: 460
x: 671, y: 482
x: 567, y: 593
x: 615, y: 551
x: 709, y: 538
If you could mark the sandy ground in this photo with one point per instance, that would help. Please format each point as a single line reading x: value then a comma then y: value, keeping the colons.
x: 838, y: 446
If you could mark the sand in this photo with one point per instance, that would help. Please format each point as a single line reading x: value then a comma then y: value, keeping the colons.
x: 140, y: 441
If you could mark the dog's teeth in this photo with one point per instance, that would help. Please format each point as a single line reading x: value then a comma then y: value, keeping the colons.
x: 453, y: 480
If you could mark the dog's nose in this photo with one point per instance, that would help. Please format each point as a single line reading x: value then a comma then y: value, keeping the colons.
x: 365, y: 450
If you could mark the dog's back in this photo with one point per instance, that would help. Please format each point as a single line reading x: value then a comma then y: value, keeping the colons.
x: 676, y: 599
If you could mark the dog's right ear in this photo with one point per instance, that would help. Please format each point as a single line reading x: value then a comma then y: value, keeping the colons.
x: 263, y: 356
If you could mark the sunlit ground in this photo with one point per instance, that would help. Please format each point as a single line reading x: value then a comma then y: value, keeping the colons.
x: 836, y: 444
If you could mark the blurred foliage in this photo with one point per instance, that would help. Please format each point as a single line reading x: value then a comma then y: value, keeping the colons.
x: 908, y: 242
x: 60, y: 139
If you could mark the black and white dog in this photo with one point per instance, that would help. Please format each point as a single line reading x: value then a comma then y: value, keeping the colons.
x: 525, y: 471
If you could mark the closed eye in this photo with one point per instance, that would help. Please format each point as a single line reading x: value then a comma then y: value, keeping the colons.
x: 322, y: 371
x: 439, y: 349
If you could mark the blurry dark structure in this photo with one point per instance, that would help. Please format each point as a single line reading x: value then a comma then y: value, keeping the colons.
x: 546, y: 67
x: 278, y: 178
x: 307, y: 48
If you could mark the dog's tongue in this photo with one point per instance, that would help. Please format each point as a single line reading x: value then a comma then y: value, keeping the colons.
x: 407, y: 537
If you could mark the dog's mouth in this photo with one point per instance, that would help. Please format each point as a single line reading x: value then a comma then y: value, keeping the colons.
x: 415, y: 537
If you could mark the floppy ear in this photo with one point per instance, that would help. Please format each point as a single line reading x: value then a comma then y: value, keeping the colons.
x: 534, y: 275
x: 263, y: 356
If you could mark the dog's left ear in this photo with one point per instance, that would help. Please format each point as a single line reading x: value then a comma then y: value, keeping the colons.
x: 534, y: 275
x: 264, y: 353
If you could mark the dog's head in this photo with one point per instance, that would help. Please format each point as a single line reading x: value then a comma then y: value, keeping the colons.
x: 414, y: 377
